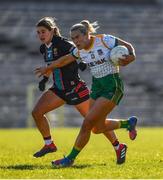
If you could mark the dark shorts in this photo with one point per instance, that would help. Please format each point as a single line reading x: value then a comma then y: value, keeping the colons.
x: 76, y: 95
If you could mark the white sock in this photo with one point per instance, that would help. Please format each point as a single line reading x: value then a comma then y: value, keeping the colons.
x: 116, y: 147
x: 48, y: 141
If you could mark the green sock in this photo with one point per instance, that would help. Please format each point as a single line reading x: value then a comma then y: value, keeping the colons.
x: 73, y: 153
x: 124, y: 124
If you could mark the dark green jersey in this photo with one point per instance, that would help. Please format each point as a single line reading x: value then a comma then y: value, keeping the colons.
x: 66, y: 76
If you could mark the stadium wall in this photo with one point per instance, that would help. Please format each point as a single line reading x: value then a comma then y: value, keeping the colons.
x: 94, y: 1
x: 139, y: 24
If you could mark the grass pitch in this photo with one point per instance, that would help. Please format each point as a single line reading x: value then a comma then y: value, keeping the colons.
x: 97, y: 160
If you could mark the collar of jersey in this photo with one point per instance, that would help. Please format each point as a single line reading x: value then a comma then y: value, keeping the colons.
x: 91, y: 45
x: 48, y: 46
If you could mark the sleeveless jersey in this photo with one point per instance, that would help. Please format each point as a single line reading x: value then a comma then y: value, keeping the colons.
x: 97, y: 56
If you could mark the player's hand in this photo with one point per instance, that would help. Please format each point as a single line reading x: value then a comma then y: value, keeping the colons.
x: 126, y: 60
x: 41, y: 71
x: 42, y: 83
x: 82, y: 66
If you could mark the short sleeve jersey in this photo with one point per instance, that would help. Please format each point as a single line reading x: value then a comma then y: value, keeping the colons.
x: 63, y: 77
x: 97, y: 56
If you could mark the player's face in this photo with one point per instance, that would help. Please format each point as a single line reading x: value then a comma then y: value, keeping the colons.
x: 79, y: 39
x: 44, y: 34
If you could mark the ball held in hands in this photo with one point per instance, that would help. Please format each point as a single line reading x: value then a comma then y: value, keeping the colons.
x: 118, y: 53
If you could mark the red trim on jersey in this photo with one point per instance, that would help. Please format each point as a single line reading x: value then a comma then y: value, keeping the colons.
x: 83, y: 93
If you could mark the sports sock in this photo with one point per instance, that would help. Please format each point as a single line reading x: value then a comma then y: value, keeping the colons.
x: 124, y: 124
x: 116, y: 144
x: 73, y: 153
x: 48, y: 140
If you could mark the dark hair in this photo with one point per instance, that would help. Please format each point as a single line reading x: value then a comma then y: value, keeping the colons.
x: 49, y: 23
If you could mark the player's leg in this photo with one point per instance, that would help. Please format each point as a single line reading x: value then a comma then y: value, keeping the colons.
x: 120, y: 148
x: 98, y: 112
x: 48, y: 102
x: 83, y: 108
x: 112, y: 90
x: 129, y: 124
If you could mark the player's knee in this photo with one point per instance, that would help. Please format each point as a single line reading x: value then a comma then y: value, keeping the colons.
x: 87, y: 125
x: 95, y: 130
x: 36, y: 113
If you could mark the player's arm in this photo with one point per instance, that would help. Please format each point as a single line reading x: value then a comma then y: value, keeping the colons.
x: 128, y: 58
x: 82, y: 66
x: 64, y: 60
x: 70, y: 46
x: 43, y: 81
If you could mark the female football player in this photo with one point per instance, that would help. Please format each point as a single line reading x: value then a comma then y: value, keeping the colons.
x: 67, y: 86
x: 107, y: 86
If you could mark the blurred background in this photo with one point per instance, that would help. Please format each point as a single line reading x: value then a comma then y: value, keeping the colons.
x: 139, y: 22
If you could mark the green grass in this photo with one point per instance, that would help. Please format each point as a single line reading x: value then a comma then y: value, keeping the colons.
x: 97, y: 160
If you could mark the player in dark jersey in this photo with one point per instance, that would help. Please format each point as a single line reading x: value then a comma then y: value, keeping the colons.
x: 67, y: 85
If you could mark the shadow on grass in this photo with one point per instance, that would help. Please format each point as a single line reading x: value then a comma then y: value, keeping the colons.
x: 25, y: 167
x: 74, y: 166
x: 87, y: 165
x: 81, y: 166
x: 34, y: 167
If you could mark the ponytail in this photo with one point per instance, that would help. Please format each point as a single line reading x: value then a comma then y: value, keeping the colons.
x: 91, y: 27
x: 85, y: 27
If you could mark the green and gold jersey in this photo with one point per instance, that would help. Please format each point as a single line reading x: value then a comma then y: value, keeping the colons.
x: 97, y: 56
